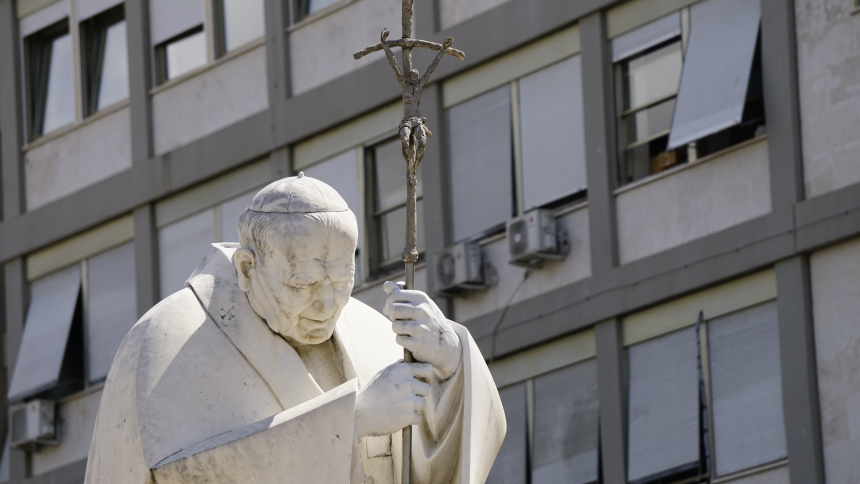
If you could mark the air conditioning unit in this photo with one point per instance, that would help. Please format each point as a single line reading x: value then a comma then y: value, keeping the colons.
x: 33, y: 424
x: 460, y: 268
x: 534, y: 238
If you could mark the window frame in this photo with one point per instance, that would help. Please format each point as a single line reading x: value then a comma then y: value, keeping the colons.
x: 37, y: 66
x: 93, y: 33
x: 376, y: 267
x: 298, y: 10
x: 161, y: 71
x: 219, y: 28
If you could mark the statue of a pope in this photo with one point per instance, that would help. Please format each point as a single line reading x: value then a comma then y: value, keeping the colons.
x: 263, y: 369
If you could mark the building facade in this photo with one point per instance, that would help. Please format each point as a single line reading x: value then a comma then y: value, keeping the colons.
x: 701, y: 156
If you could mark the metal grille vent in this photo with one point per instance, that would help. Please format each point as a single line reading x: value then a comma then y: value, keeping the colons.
x: 445, y: 269
x: 519, y: 237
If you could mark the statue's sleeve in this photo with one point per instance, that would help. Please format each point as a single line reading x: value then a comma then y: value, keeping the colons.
x: 311, y: 442
x: 464, y: 424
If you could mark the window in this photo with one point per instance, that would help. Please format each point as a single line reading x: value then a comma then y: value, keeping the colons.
x: 239, y: 22
x: 517, y: 147
x: 50, y: 79
x: 678, y: 102
x: 553, y: 429
x: 723, y: 374
x: 386, y: 178
x: 177, y: 34
x: 76, y: 321
x: 181, y: 54
x: 105, y: 60
x: 307, y: 7
x: 183, y: 243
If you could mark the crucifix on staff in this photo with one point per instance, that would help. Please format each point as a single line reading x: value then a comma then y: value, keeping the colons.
x: 413, y: 138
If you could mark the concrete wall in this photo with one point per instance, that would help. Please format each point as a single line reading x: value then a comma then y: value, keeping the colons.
x: 455, y: 11
x: 552, y: 275
x: 828, y: 57
x: 695, y: 201
x: 836, y: 305
x: 322, y: 49
x: 82, y: 157
x: 216, y: 98
x: 77, y: 421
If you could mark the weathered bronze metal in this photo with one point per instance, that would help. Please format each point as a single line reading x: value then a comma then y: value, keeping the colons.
x: 413, y: 138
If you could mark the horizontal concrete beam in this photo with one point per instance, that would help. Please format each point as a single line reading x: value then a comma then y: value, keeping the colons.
x: 725, y: 255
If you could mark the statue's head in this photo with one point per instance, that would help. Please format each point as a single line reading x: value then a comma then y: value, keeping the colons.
x: 296, y: 259
x: 413, y: 76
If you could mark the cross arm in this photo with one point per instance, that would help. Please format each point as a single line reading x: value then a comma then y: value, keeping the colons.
x: 424, y: 44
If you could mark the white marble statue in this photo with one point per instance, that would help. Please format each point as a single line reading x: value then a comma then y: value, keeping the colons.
x: 264, y: 370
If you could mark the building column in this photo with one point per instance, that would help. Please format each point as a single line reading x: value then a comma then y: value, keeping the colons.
x: 278, y: 61
x: 799, y: 375
x: 146, y: 259
x: 11, y: 126
x: 612, y: 395
x: 597, y: 96
x: 139, y: 79
x: 782, y: 102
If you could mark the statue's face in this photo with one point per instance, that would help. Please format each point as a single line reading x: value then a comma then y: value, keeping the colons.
x: 301, y: 287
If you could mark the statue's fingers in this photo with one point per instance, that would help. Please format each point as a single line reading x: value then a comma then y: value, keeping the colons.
x: 405, y: 327
x: 400, y: 311
x: 407, y: 342
x: 422, y: 371
x: 410, y: 296
x: 419, y: 388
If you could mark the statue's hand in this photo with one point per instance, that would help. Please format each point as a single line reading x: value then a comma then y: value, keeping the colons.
x: 422, y: 329
x: 393, y: 399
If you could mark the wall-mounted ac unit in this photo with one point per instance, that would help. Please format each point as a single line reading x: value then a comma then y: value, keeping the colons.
x: 460, y: 268
x: 534, y: 237
x: 33, y: 424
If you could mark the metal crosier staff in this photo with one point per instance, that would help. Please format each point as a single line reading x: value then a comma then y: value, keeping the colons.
x: 413, y: 138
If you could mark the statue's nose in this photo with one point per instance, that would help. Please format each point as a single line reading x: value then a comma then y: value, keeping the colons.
x: 324, y: 300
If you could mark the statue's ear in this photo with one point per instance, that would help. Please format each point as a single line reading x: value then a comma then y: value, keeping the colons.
x: 244, y: 261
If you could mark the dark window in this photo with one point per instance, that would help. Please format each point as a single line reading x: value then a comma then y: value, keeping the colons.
x: 50, y: 79
x: 307, y: 7
x: 181, y: 54
x: 105, y: 56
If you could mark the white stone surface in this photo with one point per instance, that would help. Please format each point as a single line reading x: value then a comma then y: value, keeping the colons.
x: 322, y: 50
x: 828, y: 57
x: 835, y: 305
x: 696, y: 201
x: 77, y: 419
x: 216, y: 98
x: 199, y: 387
x: 373, y: 295
x: 78, y: 159
x: 552, y: 275
x: 455, y: 11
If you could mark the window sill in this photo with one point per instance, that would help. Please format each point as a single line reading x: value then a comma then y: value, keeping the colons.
x: 217, y: 62
x: 750, y: 472
x: 686, y: 166
x: 81, y: 394
x: 59, y: 133
x: 320, y: 15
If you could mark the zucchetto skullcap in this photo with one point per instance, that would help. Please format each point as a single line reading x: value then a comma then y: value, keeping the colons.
x: 298, y: 194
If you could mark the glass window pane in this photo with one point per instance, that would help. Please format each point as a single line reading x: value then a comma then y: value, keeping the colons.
x: 510, y: 464
x: 392, y: 228
x: 481, y: 162
x: 649, y: 122
x: 60, y: 95
x: 663, y: 406
x: 653, y: 76
x: 113, y: 86
x: 186, y: 54
x: 746, y: 389
x: 243, y: 22
x: 566, y: 426
x: 553, y: 133
x: 391, y: 175
x: 112, y: 305
x: 317, y: 5
x: 230, y: 211
x: 181, y: 246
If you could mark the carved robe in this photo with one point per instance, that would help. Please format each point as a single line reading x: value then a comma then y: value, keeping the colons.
x: 201, y: 390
